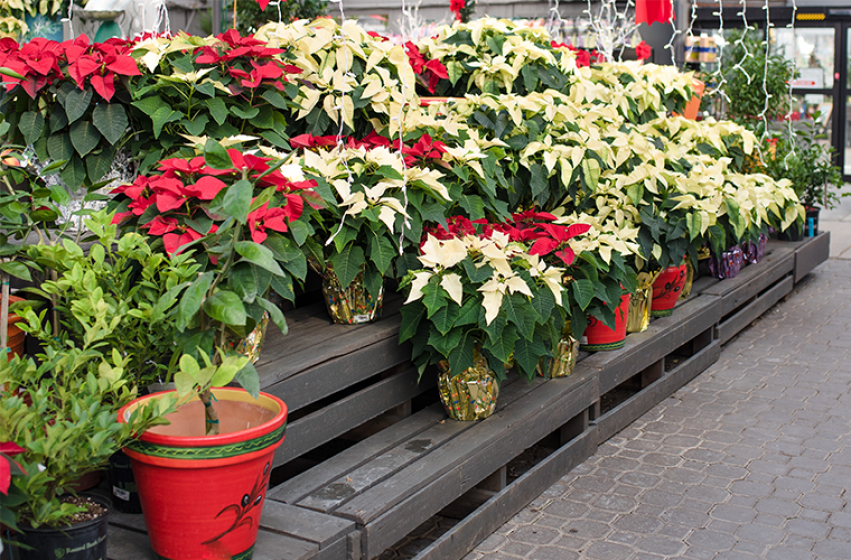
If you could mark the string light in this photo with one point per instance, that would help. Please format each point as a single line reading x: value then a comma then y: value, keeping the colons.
x: 791, y: 131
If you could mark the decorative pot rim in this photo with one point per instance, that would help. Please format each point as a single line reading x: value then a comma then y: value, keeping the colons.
x: 267, y: 401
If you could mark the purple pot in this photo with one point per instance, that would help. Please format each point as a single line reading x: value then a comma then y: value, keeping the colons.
x: 728, y: 264
x: 755, y: 251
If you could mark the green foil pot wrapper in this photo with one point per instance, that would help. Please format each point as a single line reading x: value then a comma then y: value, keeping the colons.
x: 471, y: 394
x: 252, y: 344
x: 640, y: 303
x: 352, y: 305
x: 564, y: 361
x: 686, y: 291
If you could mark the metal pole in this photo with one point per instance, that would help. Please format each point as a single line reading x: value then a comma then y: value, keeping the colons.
x: 217, y: 16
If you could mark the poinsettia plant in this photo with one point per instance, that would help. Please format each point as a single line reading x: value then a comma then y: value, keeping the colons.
x: 477, y: 288
x: 376, y: 202
x: 69, y: 102
x: 239, y: 215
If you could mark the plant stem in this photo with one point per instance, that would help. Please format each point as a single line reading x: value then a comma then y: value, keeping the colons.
x: 211, y: 417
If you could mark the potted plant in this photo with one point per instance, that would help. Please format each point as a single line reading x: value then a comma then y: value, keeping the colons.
x: 60, y: 413
x: 375, y: 203
x: 480, y: 301
x: 234, y: 208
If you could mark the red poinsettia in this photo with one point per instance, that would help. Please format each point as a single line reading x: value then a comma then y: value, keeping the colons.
x: 430, y: 72
x: 424, y: 150
x: 183, y: 192
x: 643, y: 51
x: 99, y: 63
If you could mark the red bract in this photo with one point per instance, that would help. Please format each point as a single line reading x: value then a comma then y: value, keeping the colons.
x: 430, y: 71
x: 174, y: 241
x: 99, y: 62
x: 643, y: 51
x: 558, y: 237
x: 7, y: 449
x: 266, y: 218
x: 425, y: 149
x: 455, y: 6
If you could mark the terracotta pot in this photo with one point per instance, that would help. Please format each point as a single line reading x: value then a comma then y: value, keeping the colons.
x: 693, y: 106
x: 666, y: 290
x: 598, y: 337
x: 16, y: 337
x: 202, y: 495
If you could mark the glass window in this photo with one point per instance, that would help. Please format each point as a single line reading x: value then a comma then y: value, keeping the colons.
x: 812, y: 50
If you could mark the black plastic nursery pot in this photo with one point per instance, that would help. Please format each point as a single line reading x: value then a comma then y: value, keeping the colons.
x: 811, y: 222
x: 82, y: 541
x: 125, y: 494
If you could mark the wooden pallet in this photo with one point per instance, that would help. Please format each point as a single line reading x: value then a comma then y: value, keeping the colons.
x: 411, y: 464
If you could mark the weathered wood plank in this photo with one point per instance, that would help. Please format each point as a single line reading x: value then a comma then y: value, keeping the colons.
x: 300, y: 486
x: 662, y: 337
x: 124, y: 544
x: 517, y: 428
x: 304, y: 524
x: 330, y: 497
x: 336, y: 419
x: 811, y: 253
x: 625, y: 413
x: 459, y: 540
x: 741, y: 319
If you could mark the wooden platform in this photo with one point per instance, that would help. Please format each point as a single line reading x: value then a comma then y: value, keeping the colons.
x: 369, y: 455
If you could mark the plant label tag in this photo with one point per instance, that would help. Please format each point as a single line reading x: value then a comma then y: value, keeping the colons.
x: 584, y: 340
x: 121, y: 493
x: 361, y: 318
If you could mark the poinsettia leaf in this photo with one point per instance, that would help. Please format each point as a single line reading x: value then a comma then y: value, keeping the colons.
x: 84, y: 137
x: 218, y: 109
x: 259, y: 255
x: 216, y: 156
x: 461, y: 356
x: 412, y: 314
x: 520, y: 312
x: 381, y: 251
x: 469, y: 313
x: 373, y: 281
x: 31, y: 125
x: 226, y: 307
x: 543, y: 303
x: 236, y: 201
x: 496, y: 327
x: 434, y: 297
x: 444, y: 343
x: 248, y: 114
x: 347, y: 264
x: 583, y: 292
x: 503, y: 346
x: 275, y: 99
x: 162, y: 117
x: 99, y: 163
x: 527, y: 353
x: 444, y: 318
x: 111, y: 120
x: 76, y: 103
x: 74, y: 173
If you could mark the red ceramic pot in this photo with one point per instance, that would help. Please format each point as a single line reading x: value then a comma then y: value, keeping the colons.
x: 202, y: 495
x: 599, y: 337
x: 666, y: 290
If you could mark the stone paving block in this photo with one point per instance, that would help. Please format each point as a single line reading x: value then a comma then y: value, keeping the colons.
x: 750, y: 460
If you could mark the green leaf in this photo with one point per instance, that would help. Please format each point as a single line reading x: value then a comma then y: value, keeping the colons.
x: 412, y: 314
x: 196, y: 126
x: 461, y: 357
x: 373, y: 281
x: 31, y: 126
x: 381, y: 252
x: 275, y: 314
x: 59, y: 146
x: 433, y: 296
x: 16, y: 269
x: 455, y: 71
x: 84, y: 136
x: 98, y: 164
x: 530, y: 77
x: 249, y: 380
x: 583, y: 292
x: 217, y: 157
x: 193, y: 297
x: 275, y: 99
x: 283, y: 287
x: 248, y: 114
x: 74, y: 173
x: 469, y: 313
x: 149, y: 105
x: 477, y: 275
x: 218, y: 109
x: 237, y: 200
x: 527, y: 353
x: 503, y: 346
x: 444, y: 318
x: 76, y: 103
x: 347, y: 264
x: 111, y: 120
x: 444, y: 343
x: 591, y: 173
x: 162, y: 117
x: 520, y: 312
x: 226, y: 307
x: 543, y: 303
x: 259, y: 255
x: 242, y: 277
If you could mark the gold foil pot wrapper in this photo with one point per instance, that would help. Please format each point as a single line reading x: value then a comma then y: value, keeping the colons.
x: 252, y: 344
x: 703, y: 253
x: 471, y: 394
x: 686, y: 291
x: 564, y: 361
x: 352, y: 305
x: 638, y: 318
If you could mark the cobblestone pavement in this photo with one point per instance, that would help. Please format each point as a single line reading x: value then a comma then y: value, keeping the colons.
x: 751, y: 460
